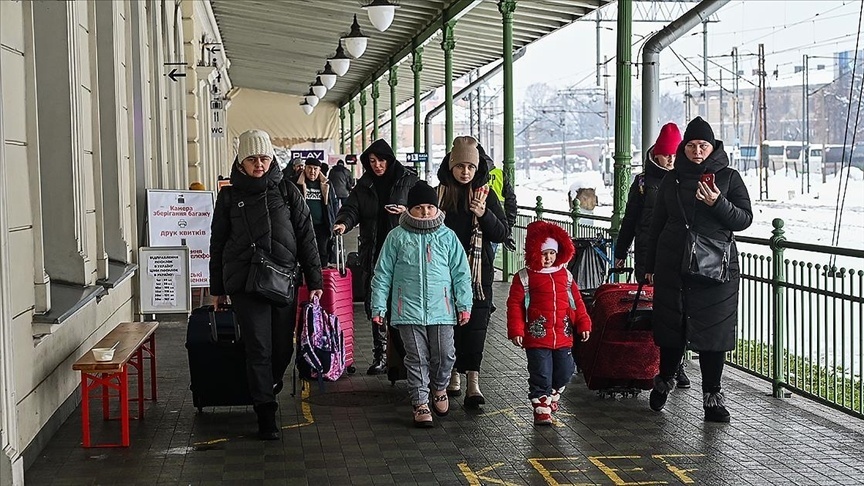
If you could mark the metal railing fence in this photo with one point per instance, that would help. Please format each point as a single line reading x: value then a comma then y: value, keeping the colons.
x: 801, y: 320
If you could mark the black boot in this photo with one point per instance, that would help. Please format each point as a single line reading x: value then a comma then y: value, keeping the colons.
x: 267, y: 428
x: 662, y: 387
x: 379, y: 365
x: 681, y: 379
x: 379, y: 343
x: 715, y: 407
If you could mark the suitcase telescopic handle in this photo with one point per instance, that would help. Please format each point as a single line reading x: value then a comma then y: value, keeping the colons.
x: 340, y: 255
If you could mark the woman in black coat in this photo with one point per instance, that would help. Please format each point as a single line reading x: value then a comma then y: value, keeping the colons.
x: 259, y: 207
x: 690, y: 312
x: 478, y: 221
x: 375, y: 204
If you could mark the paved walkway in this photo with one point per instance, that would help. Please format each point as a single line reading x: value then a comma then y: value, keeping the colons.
x: 358, y: 431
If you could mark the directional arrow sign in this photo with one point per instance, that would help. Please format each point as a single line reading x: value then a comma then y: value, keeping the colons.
x: 174, y: 75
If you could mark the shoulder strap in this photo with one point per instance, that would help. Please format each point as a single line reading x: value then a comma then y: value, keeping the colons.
x: 283, y: 189
x: 523, y: 277
x: 570, y: 298
x: 641, y: 181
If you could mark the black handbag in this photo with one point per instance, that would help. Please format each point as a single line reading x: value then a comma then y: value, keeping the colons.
x: 705, y: 258
x: 272, y: 280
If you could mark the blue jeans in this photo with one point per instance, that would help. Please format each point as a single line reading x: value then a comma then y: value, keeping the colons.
x: 548, y: 369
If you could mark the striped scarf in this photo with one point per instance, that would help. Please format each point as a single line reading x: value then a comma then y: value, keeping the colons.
x: 475, y: 252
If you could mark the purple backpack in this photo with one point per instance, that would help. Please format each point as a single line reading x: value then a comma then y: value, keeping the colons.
x: 320, y: 345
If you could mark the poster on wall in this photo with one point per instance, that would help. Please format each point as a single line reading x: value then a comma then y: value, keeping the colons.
x: 182, y: 218
x: 163, y: 276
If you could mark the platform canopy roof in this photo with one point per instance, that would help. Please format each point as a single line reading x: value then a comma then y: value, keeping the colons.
x: 280, y: 45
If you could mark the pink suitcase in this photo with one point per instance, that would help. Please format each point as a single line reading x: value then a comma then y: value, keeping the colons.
x: 337, y: 299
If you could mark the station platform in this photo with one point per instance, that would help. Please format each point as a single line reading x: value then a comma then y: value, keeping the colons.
x: 358, y: 431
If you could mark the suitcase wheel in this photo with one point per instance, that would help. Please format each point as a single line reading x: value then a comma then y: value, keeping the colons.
x: 351, y: 370
x: 200, y: 410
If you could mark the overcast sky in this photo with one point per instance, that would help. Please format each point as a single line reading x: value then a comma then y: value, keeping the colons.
x: 788, y: 29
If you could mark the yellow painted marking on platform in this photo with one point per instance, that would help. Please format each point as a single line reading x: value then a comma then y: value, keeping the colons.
x: 681, y: 474
x: 475, y: 477
x: 609, y: 471
x: 305, y: 408
x: 209, y: 442
x: 538, y: 466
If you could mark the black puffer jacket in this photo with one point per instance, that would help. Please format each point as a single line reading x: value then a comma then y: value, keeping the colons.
x: 364, y: 208
x: 461, y: 219
x: 286, y: 233
x: 711, y: 309
x: 638, y: 214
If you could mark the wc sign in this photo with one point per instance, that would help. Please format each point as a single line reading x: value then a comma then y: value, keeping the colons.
x: 217, y: 119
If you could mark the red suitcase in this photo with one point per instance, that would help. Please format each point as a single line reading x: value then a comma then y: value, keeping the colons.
x: 620, y: 357
x: 337, y: 299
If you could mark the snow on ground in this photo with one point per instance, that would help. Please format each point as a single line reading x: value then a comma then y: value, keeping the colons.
x: 808, y: 218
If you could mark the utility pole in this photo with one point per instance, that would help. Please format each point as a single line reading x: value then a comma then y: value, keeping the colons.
x: 687, y: 101
x: 722, y: 124
x: 705, y: 66
x: 737, y: 105
x: 763, y: 129
x: 805, y: 127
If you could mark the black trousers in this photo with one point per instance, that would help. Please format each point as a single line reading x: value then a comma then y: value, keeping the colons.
x: 323, y: 240
x: 470, y: 339
x: 710, y: 362
x: 267, y: 332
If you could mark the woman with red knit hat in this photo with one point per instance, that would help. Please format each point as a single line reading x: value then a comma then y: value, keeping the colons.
x: 659, y: 159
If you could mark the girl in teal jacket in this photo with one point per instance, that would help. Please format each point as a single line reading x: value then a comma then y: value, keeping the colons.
x: 423, y: 271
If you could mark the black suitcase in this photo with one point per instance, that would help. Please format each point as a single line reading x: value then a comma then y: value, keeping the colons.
x: 217, y: 360
x: 358, y: 276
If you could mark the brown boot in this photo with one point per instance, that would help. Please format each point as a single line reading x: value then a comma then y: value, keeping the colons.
x: 454, y: 388
x: 473, y: 396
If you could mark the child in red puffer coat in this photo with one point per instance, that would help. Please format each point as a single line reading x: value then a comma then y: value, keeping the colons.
x: 544, y: 311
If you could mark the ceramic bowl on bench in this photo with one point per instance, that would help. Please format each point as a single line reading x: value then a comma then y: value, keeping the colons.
x: 103, y: 354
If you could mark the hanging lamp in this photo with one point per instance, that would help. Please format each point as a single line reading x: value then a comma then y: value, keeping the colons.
x: 318, y: 88
x: 381, y: 13
x: 328, y: 76
x: 311, y: 98
x: 355, y: 41
x: 307, y: 108
x: 340, y: 61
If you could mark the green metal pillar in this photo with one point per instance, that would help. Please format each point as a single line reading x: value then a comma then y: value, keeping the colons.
x: 448, y: 43
x: 507, y: 7
x: 363, y: 119
x: 341, y: 129
x: 375, y: 95
x: 416, y: 67
x: 778, y: 279
x: 351, y: 124
x: 622, y: 114
x: 393, y: 80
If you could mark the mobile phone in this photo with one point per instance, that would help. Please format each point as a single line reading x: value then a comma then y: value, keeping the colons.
x: 708, y: 178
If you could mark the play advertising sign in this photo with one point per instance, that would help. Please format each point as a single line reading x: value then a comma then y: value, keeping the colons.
x: 305, y: 154
x: 182, y: 218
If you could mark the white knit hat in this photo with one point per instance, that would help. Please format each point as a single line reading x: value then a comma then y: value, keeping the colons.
x: 549, y: 244
x: 254, y: 142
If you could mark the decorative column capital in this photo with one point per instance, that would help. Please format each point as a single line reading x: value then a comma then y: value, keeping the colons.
x: 507, y: 7
x: 375, y: 92
x: 342, y: 113
x: 448, y: 41
x: 417, y: 61
x: 351, y: 107
x: 363, y: 97
x: 393, y: 80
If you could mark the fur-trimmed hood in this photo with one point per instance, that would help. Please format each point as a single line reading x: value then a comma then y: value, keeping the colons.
x: 538, y: 231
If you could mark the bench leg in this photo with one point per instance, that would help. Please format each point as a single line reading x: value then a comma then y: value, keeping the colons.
x: 106, y: 394
x: 150, y: 348
x: 139, y: 358
x: 124, y: 407
x: 85, y: 410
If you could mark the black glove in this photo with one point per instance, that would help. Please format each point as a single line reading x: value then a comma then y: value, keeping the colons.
x: 510, y: 244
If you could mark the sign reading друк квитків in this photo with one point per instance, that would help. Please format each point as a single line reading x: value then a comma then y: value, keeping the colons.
x: 182, y: 218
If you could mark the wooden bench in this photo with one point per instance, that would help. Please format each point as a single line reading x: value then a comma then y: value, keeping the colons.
x: 136, y: 343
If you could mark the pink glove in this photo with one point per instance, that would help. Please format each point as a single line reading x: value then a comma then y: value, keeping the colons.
x: 378, y: 320
x: 464, y: 317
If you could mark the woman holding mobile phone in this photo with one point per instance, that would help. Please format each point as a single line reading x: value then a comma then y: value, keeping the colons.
x: 691, y: 313
x: 375, y: 203
x: 478, y: 221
